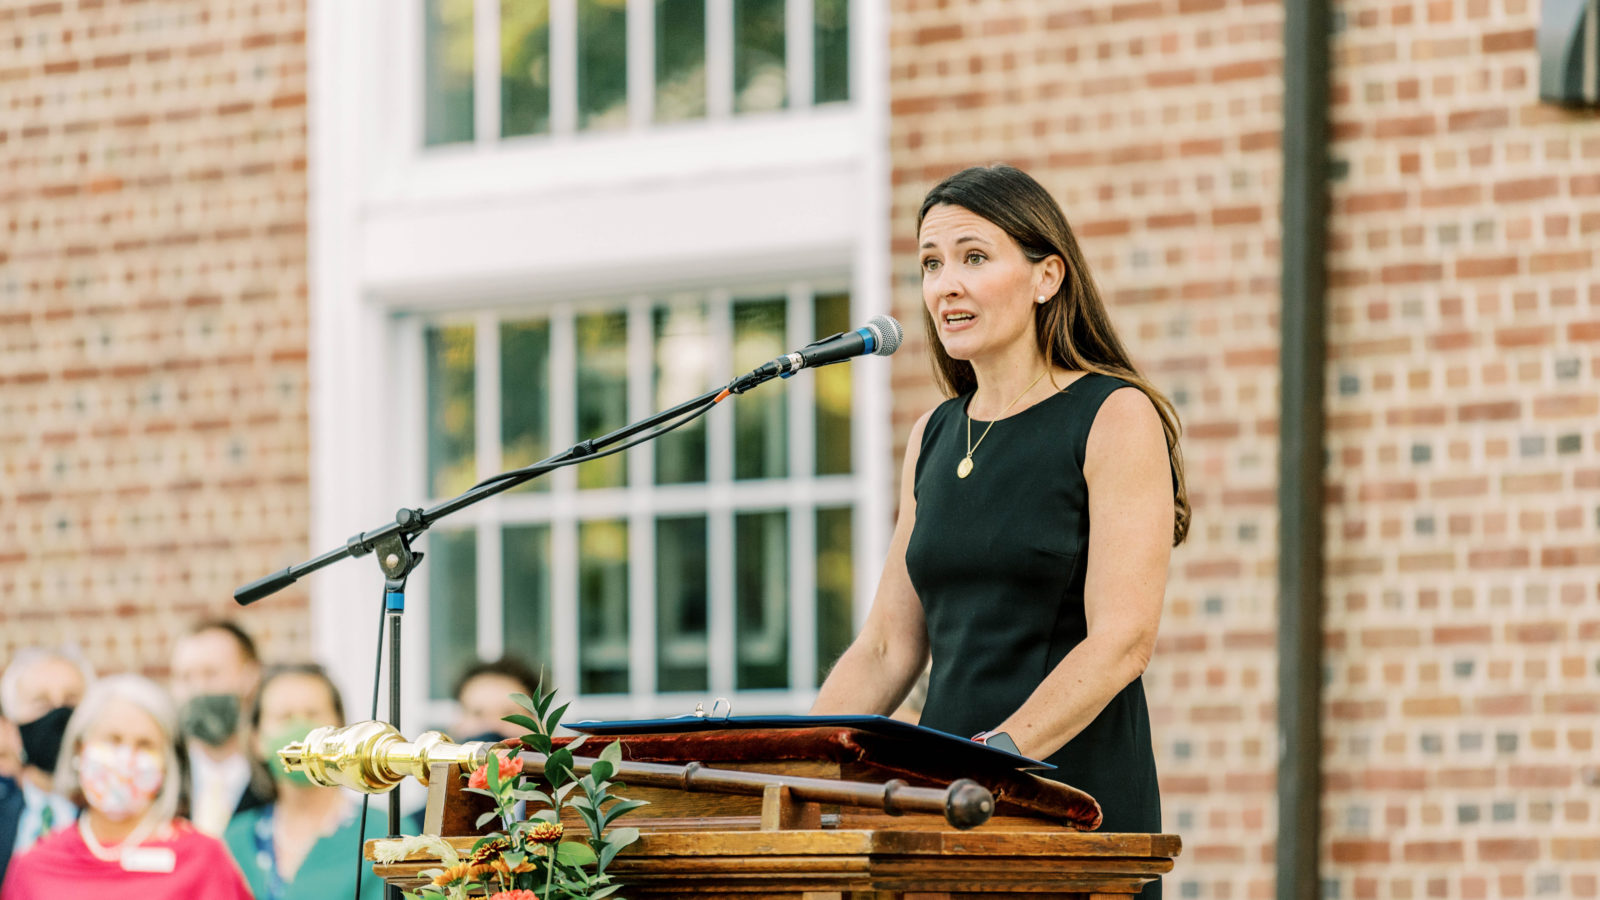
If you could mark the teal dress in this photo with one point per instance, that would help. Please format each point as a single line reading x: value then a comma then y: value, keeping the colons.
x: 329, y: 869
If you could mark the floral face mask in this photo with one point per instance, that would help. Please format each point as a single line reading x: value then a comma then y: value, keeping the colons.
x: 120, y: 781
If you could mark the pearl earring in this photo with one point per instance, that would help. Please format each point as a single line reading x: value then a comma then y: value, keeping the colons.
x: 1043, y: 298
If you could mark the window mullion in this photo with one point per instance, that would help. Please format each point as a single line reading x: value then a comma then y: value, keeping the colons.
x: 486, y: 71
x: 563, y: 524
x: 563, y: 66
x: 798, y: 40
x: 721, y: 639
x: 641, y: 63
x: 802, y: 461
x: 486, y: 436
x: 641, y: 530
x: 719, y: 59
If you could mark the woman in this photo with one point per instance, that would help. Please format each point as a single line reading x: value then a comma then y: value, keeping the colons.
x: 119, y: 761
x: 1038, y: 627
x: 304, y: 844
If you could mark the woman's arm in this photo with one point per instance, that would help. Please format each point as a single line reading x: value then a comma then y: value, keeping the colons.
x: 883, y: 662
x: 1130, y: 541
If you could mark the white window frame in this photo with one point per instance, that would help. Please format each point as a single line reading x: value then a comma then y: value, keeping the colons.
x: 720, y: 499
x: 396, y: 231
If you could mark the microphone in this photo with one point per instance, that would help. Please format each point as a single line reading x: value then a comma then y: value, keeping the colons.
x: 879, y: 337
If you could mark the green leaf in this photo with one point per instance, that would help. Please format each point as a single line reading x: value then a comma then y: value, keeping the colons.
x: 612, y: 753
x: 606, y: 892
x: 539, y: 796
x: 522, y: 700
x: 602, y: 769
x: 522, y: 721
x: 574, y: 853
x: 564, y: 790
x: 624, y: 806
x: 622, y: 837
x: 480, y: 791
x: 487, y: 817
x: 577, y: 742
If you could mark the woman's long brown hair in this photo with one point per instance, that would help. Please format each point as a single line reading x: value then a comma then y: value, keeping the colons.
x: 1073, y: 329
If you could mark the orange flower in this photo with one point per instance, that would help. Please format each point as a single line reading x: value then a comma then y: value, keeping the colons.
x: 546, y: 833
x: 453, y: 874
x: 518, y: 894
x: 508, y: 768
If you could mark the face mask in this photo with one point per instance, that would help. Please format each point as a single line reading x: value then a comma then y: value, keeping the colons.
x: 211, y: 718
x: 41, y: 738
x: 118, y: 781
x: 283, y: 737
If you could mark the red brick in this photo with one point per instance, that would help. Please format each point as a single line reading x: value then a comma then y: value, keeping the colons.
x: 1525, y: 190
x: 1507, y: 849
x: 1486, y: 267
x: 1503, y: 41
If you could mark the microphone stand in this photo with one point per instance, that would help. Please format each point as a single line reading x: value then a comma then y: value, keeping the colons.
x: 396, y: 559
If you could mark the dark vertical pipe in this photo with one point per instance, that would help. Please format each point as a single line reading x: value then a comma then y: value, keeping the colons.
x: 1300, y: 464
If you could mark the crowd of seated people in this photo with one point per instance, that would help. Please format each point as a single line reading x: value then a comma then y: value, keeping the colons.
x: 120, y: 786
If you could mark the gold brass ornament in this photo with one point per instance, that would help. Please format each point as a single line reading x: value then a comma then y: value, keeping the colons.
x: 372, y: 757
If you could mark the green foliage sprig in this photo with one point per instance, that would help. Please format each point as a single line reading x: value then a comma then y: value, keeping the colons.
x: 527, y: 858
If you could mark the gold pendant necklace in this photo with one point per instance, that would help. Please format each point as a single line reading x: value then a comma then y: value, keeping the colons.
x: 964, y: 468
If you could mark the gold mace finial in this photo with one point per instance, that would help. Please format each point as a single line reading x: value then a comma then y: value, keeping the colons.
x: 372, y: 757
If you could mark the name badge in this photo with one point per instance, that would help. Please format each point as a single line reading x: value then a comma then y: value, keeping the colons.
x: 149, y: 859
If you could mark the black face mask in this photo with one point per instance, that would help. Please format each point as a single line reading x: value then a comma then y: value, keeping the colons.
x: 41, y: 738
x: 210, y: 718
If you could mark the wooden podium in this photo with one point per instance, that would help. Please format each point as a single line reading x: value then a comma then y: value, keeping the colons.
x: 748, y: 841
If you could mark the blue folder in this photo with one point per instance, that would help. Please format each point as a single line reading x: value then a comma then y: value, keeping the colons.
x: 947, y: 745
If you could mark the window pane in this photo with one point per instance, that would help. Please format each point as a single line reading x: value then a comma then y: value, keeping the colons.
x: 524, y: 67
x: 680, y: 60
x: 525, y: 395
x: 832, y: 314
x: 525, y: 599
x: 447, y: 71
x: 602, y: 392
x: 603, y: 607
x: 683, y: 349
x: 681, y: 604
x: 759, y: 83
x: 452, y: 568
x: 835, y: 587
x: 452, y: 419
x: 761, y: 432
x: 831, y: 51
x: 602, y: 64
x: 761, y: 586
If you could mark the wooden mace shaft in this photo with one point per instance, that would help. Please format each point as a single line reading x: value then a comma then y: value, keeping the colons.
x: 964, y: 804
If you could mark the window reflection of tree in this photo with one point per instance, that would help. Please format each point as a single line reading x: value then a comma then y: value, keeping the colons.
x: 603, y: 607
x: 524, y: 67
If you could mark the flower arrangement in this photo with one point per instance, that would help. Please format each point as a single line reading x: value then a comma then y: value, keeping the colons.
x: 527, y: 859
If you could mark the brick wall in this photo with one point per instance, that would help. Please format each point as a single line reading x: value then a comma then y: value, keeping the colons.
x: 1464, y: 520
x: 1464, y: 411
x: 153, y: 434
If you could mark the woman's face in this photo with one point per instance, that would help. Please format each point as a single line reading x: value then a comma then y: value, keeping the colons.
x: 293, y: 698
x: 977, y: 285
x: 123, y: 761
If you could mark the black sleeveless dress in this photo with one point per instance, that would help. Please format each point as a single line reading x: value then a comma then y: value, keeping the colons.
x: 997, y: 560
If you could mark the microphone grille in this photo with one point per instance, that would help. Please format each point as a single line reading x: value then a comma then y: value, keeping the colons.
x: 889, y: 334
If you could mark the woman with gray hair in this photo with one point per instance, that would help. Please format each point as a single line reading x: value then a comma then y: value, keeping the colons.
x: 118, y: 761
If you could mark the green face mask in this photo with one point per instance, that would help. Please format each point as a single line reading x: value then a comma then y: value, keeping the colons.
x: 271, y: 743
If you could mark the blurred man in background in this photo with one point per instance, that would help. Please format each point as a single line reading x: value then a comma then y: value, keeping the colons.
x: 215, y: 673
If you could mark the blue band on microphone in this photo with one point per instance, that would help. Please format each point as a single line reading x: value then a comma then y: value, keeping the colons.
x: 872, y: 343
x: 394, y: 601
